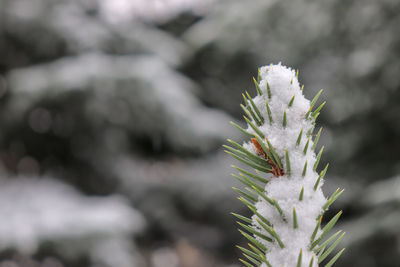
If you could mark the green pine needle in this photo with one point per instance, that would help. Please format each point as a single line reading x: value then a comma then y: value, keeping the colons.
x: 255, y: 232
x: 269, y: 113
x: 291, y: 101
x: 271, y: 201
x: 304, y: 169
x: 315, y: 98
x: 318, y: 109
x: 262, y: 218
x: 259, y: 92
x: 310, y: 131
x: 316, y: 230
x: 311, y: 261
x: 245, y: 110
x: 272, y: 232
x: 284, y: 122
x: 264, y: 196
x: 278, y: 208
x: 246, y: 263
x: 251, y: 175
x: 320, y: 177
x: 254, y: 261
x: 249, y: 182
x: 301, y: 193
x: 295, y: 223
x: 334, y: 259
x: 330, y: 249
x: 275, y: 156
x: 327, y: 242
x: 299, y: 137
x: 308, y: 113
x: 321, y: 252
x: 254, y: 210
x: 287, y: 163
x: 257, y: 251
x: 261, y: 253
x: 245, y: 99
x: 241, y: 217
x: 250, y: 253
x: 241, y: 129
x: 254, y: 241
x: 245, y: 195
x: 332, y: 199
x: 246, y: 181
x: 313, y: 103
x: 265, y: 149
x: 247, y: 203
x: 318, y: 158
x: 306, y: 146
x: 299, y: 258
x: 250, y: 111
x: 326, y: 229
x: 254, y: 127
x: 317, y: 138
x: 268, y: 91
x: 255, y: 108
x: 246, y: 155
x: 247, y: 162
x: 315, y: 117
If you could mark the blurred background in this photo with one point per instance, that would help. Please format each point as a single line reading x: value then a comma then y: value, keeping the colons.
x: 113, y: 113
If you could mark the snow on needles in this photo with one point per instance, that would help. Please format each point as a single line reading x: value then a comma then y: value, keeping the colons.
x: 283, y: 85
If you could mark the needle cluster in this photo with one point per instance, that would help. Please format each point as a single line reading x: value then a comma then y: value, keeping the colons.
x: 282, y: 181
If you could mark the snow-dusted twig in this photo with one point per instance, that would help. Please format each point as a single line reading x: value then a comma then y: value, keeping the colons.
x: 283, y: 190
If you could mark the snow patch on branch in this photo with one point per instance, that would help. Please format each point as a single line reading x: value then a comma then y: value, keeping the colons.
x: 283, y: 85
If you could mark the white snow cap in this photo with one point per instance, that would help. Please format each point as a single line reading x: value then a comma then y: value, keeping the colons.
x: 283, y: 85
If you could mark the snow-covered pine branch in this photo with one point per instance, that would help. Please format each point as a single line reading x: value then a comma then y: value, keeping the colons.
x: 283, y: 190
